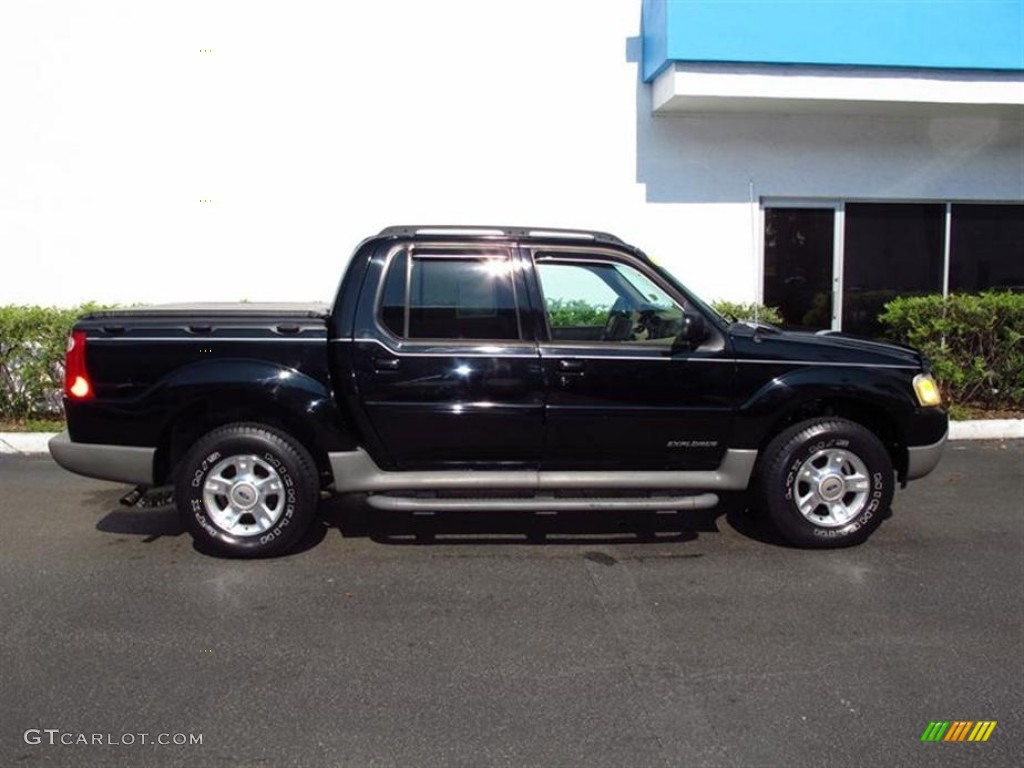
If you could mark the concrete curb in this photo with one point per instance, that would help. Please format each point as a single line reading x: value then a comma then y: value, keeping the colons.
x: 987, y: 429
x: 26, y: 443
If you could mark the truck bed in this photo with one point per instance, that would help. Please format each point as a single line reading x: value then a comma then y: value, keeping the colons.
x: 146, y: 362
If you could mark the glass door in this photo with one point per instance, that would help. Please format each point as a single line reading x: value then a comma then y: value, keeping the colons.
x: 801, y: 254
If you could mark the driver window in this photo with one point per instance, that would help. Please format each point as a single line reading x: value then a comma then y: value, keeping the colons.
x: 606, y: 302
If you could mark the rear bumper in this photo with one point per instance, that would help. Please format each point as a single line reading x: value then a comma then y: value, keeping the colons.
x: 120, y: 463
x: 922, y: 459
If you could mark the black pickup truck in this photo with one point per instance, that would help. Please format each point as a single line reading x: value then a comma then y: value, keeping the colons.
x: 493, y: 369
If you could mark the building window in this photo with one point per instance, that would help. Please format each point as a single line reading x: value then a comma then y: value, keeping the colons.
x: 889, y: 250
x: 986, y: 248
x: 881, y: 251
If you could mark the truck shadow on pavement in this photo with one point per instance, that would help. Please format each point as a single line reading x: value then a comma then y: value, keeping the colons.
x: 156, y: 521
x: 147, y: 519
x: 350, y: 516
x: 353, y: 518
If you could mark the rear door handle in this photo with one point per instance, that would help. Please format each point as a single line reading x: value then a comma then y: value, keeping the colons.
x: 386, y: 364
x: 571, y: 367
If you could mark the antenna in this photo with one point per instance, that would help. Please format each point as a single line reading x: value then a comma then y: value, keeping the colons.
x: 753, y: 252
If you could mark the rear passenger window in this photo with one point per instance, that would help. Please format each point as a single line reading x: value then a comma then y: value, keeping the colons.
x: 450, y: 297
x: 392, y: 304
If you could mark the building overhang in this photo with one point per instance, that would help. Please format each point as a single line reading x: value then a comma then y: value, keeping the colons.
x: 984, y: 35
x: 706, y: 88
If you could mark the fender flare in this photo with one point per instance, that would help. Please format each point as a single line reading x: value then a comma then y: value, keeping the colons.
x: 244, y: 390
x: 869, y: 390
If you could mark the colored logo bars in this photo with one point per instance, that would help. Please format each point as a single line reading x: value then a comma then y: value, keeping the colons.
x: 958, y: 730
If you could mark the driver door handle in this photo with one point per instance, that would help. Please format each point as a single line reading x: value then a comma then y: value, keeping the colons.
x: 571, y: 367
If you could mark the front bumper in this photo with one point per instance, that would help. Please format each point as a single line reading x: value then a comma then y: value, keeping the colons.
x: 922, y: 459
x: 120, y: 463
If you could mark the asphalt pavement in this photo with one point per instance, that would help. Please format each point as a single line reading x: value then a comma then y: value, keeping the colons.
x: 513, y: 640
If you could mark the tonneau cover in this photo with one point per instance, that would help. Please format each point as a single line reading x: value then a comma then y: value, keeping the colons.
x: 243, y: 309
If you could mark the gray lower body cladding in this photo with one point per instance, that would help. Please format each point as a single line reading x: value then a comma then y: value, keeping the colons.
x: 922, y: 459
x: 119, y: 463
x: 355, y: 471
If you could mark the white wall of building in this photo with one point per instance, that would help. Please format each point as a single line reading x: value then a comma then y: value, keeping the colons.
x: 310, y: 125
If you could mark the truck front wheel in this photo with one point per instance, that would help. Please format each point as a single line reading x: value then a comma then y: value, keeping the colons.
x: 247, y: 490
x: 826, y: 483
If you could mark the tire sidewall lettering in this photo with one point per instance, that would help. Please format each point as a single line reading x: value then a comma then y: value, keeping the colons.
x: 846, y: 530
x: 199, y: 476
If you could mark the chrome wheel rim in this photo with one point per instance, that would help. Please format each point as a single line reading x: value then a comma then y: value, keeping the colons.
x: 243, y: 495
x: 831, y: 487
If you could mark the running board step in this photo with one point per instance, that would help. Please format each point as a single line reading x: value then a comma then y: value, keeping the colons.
x: 542, y: 504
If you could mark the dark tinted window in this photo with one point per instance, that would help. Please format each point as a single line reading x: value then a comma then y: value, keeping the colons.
x: 392, y: 305
x: 798, y: 245
x: 986, y: 248
x: 451, y: 297
x: 890, y: 250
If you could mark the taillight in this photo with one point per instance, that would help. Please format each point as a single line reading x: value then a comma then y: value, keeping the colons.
x: 76, y: 378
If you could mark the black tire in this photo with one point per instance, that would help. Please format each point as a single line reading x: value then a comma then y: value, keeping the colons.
x: 836, y: 453
x: 270, y: 487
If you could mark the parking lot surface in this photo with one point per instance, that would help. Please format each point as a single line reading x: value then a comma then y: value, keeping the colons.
x: 476, y: 640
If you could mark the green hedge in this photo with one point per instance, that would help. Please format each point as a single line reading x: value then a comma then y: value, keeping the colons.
x: 32, y: 345
x: 743, y: 311
x: 581, y: 313
x: 576, y: 313
x: 975, y: 343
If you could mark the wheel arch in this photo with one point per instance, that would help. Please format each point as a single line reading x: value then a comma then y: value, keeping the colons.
x: 877, y: 399
x: 296, y: 404
x: 872, y: 416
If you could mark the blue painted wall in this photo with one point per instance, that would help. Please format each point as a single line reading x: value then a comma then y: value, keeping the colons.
x: 943, y: 34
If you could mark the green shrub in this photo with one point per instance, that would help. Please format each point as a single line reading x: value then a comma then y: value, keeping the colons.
x: 745, y: 311
x: 576, y: 313
x: 32, y: 345
x: 975, y: 344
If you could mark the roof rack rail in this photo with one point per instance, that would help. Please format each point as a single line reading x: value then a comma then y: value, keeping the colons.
x: 520, y: 233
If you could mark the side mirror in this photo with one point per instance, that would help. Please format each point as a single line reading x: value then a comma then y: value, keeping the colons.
x: 692, y: 332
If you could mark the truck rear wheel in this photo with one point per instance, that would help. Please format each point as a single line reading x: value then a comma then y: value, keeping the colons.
x: 826, y: 483
x: 247, y: 490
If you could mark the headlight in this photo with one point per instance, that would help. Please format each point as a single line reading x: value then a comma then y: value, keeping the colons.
x: 927, y: 390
